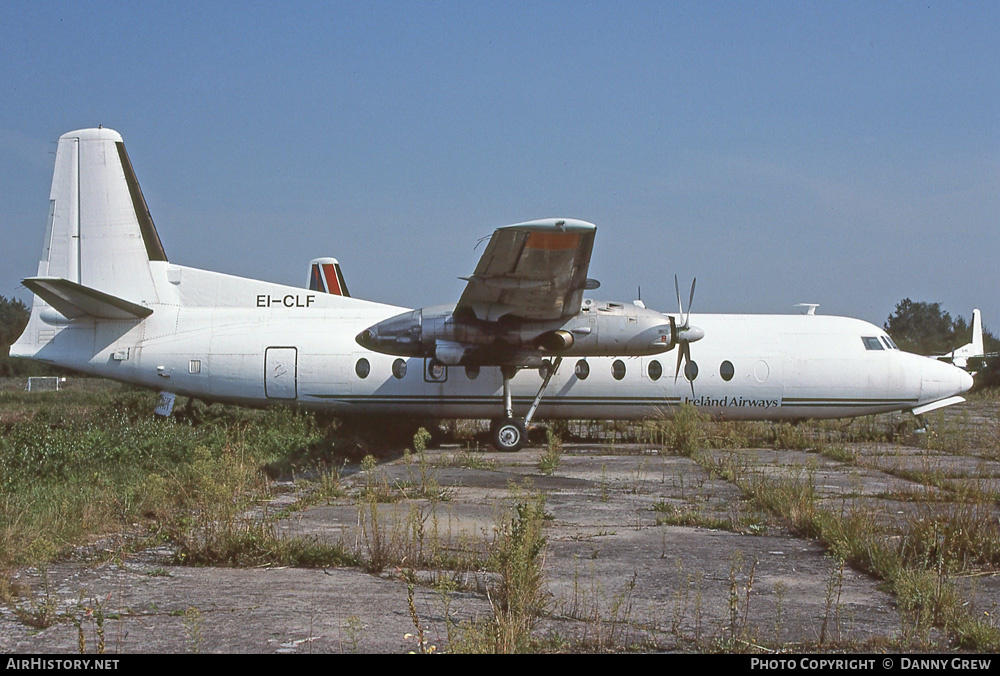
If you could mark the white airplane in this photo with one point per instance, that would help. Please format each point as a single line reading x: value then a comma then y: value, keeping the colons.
x: 960, y: 355
x: 109, y: 303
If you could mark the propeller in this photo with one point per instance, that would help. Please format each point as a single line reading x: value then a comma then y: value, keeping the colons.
x: 686, y: 334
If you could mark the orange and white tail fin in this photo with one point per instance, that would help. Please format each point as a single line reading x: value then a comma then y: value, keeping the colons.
x: 325, y: 276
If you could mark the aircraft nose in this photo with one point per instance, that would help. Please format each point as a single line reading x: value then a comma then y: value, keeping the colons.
x: 966, y: 381
x: 938, y: 379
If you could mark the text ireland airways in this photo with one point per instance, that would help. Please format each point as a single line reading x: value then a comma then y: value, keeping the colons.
x: 733, y: 402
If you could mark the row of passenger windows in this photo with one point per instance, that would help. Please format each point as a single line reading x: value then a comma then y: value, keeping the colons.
x: 582, y: 370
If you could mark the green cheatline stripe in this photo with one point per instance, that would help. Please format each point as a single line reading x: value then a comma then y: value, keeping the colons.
x: 847, y: 404
x: 492, y: 400
x: 847, y: 400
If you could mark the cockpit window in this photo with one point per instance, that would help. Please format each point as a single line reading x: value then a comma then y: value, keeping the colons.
x: 872, y: 343
x: 888, y: 341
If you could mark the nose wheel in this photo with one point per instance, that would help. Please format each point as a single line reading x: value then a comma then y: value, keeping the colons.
x: 508, y: 433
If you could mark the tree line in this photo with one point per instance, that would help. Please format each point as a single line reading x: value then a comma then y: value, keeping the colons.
x: 924, y: 328
x: 13, y: 319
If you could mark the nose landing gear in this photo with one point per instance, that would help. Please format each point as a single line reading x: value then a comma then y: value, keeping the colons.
x: 508, y: 433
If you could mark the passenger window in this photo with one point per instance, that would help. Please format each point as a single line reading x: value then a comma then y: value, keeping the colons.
x: 399, y: 368
x: 872, y: 343
x: 582, y: 369
x: 654, y: 370
x: 362, y: 368
x: 618, y: 369
x: 727, y: 371
x: 435, y: 371
x: 471, y: 372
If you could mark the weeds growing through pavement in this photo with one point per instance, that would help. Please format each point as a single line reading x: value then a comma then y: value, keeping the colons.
x: 354, y: 631
x: 39, y: 612
x: 548, y: 461
x: 193, y: 625
x: 682, y: 434
x: 739, y: 635
x: 834, y: 589
x: 517, y: 556
x: 423, y: 645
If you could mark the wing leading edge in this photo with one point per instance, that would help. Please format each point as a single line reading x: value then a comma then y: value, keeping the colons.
x: 535, y: 270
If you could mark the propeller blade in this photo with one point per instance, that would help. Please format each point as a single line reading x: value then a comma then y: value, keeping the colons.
x: 690, y: 303
x: 687, y: 362
x: 684, y: 354
x: 685, y: 334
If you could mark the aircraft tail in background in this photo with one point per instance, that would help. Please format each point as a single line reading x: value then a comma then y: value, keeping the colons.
x: 325, y: 276
x: 960, y: 355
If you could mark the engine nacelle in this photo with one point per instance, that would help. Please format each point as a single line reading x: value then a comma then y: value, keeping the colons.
x: 555, y: 341
x: 599, y: 330
x: 449, y: 353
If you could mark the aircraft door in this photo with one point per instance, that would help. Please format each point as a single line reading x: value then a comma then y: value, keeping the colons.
x: 281, y: 373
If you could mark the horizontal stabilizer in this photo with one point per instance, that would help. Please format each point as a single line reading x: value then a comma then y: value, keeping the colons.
x: 74, y: 300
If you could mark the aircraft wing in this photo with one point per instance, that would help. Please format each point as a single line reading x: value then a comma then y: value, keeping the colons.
x: 535, y: 270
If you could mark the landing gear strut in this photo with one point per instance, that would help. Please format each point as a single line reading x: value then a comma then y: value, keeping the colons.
x: 508, y: 433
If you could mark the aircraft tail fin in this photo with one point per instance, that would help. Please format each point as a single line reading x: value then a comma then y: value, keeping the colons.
x: 100, y: 235
x: 977, y: 332
x: 325, y: 276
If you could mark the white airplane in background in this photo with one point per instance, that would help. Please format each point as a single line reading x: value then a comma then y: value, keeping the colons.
x: 109, y: 303
x: 960, y: 355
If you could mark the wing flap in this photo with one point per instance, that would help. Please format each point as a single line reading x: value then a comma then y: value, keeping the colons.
x: 535, y: 270
x: 74, y: 300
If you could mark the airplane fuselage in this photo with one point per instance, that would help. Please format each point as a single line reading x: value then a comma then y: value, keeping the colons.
x: 108, y: 302
x: 222, y: 338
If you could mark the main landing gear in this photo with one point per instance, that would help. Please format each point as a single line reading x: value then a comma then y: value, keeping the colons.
x: 509, y: 433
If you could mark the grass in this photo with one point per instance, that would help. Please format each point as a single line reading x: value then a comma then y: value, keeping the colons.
x: 102, y: 465
x: 515, y: 590
x: 96, y: 463
x: 548, y: 461
x: 917, y: 557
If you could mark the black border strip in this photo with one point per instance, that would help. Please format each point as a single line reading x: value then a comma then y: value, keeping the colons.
x: 154, y: 248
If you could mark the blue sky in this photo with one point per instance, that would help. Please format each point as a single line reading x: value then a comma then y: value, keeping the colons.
x: 845, y: 153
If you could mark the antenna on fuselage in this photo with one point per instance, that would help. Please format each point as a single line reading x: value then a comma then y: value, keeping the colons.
x: 638, y: 301
x: 810, y: 308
